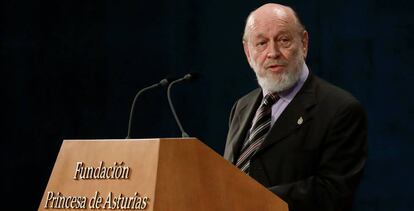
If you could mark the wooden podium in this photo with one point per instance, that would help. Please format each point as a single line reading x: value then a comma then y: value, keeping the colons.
x: 151, y: 174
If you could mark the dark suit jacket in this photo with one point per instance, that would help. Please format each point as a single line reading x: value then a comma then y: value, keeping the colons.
x: 315, y: 164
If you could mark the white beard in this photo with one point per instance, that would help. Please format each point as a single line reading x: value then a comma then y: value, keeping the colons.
x: 284, y: 81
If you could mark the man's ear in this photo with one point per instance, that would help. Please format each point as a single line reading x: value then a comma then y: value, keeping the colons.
x: 246, y: 50
x: 305, y: 43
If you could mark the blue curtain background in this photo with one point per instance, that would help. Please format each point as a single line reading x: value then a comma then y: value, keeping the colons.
x: 70, y: 70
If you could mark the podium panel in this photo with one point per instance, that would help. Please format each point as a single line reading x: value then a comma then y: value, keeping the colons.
x: 150, y: 174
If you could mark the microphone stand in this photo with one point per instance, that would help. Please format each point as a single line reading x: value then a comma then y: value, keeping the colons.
x: 186, y: 77
x: 163, y: 82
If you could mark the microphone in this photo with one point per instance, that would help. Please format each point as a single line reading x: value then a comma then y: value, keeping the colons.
x: 187, y: 77
x: 163, y: 82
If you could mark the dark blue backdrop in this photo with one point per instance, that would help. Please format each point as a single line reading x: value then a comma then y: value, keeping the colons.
x: 70, y: 69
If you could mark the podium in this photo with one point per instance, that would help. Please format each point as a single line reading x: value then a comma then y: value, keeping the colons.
x: 151, y: 174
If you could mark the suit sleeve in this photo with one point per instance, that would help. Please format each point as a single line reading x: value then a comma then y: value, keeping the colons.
x: 227, y: 152
x: 340, y: 167
x: 232, y: 113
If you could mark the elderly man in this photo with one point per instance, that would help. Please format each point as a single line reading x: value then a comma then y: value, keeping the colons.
x: 301, y: 137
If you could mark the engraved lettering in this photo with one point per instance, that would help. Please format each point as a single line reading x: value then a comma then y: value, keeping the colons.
x: 60, y: 201
x: 108, y: 201
x: 144, y: 202
x: 117, y: 171
x: 78, y: 170
x: 123, y: 202
x: 48, y: 198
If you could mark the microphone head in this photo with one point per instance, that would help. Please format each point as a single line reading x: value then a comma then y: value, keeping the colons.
x: 164, y: 82
x: 190, y: 76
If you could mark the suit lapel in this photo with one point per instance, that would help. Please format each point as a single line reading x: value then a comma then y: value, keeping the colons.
x: 296, y: 114
x: 242, y: 121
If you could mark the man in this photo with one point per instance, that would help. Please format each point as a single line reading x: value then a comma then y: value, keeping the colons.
x: 301, y: 137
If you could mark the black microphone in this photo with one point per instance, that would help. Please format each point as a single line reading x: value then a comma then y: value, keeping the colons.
x: 163, y: 82
x: 185, y: 78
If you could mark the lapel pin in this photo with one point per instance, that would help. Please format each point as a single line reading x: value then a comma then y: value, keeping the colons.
x: 300, y: 121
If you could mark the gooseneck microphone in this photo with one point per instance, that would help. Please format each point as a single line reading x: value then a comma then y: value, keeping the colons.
x: 163, y: 82
x: 185, y: 78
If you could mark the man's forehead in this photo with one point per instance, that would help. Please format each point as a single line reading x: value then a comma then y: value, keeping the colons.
x: 280, y: 12
x: 257, y: 35
x: 271, y: 22
x: 274, y: 24
x: 274, y: 17
x: 273, y: 14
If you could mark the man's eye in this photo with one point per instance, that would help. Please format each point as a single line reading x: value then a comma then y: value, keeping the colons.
x: 261, y: 43
x: 284, y: 41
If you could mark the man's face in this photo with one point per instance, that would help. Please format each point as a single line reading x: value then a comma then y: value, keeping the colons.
x: 276, y: 49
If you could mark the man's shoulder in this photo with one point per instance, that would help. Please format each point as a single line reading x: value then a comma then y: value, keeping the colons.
x: 326, y: 92
x: 250, y: 96
x: 332, y: 91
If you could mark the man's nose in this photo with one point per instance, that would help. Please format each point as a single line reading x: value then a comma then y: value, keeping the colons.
x: 273, y: 51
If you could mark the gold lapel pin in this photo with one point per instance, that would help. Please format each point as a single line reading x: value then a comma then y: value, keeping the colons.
x: 300, y: 120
